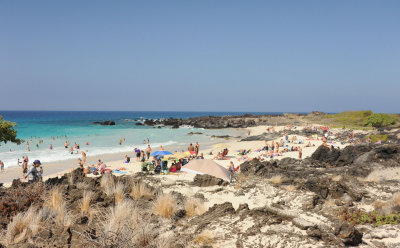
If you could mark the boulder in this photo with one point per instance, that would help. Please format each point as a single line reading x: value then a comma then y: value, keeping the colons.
x: 207, y: 180
x: 105, y: 123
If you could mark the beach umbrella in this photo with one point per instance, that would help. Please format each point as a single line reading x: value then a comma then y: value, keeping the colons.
x: 161, y: 153
x: 207, y: 166
x: 179, y: 155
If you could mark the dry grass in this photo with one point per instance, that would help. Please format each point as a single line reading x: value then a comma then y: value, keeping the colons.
x: 165, y: 205
x: 337, y: 178
x: 144, y: 237
x: 107, y: 182
x: 330, y: 203
x: 205, y: 239
x: 58, y: 208
x: 119, y: 215
x: 396, y: 199
x: 82, y: 185
x: 140, y: 189
x: 119, y: 226
x: 165, y: 242
x: 85, y: 202
x: 276, y: 179
x: 63, y: 217
x: 119, y: 192
x: 290, y: 188
x: 194, y: 207
x: 55, y: 199
x: 70, y: 179
x: 22, y: 227
x: 378, y: 205
x: 389, y: 205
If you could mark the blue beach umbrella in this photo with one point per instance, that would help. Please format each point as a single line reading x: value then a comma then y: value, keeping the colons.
x: 161, y: 153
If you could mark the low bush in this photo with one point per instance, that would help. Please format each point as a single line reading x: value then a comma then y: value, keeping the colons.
x: 375, y: 138
x: 379, y: 120
x: 358, y: 217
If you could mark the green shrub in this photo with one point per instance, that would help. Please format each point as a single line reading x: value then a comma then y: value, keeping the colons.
x: 350, y: 118
x: 375, y: 138
x: 379, y: 120
x: 358, y: 217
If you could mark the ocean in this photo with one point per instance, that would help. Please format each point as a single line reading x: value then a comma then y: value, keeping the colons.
x: 55, y: 127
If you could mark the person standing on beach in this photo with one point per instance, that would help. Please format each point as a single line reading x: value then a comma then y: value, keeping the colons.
x: 24, y: 165
x: 83, y: 157
x: 34, y: 174
x: 137, y: 151
x: 142, y: 156
x: 148, y: 151
x: 300, y: 152
x: 190, y: 148
x: 1, y: 166
x: 197, y: 148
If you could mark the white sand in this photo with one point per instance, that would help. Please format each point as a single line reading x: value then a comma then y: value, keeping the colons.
x: 115, y: 161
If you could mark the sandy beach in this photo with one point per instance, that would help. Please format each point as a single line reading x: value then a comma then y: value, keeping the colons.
x: 116, y: 161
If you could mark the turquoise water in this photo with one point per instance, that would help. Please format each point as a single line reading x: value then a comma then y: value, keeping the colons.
x: 56, y: 127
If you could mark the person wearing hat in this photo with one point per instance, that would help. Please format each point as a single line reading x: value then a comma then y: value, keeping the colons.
x: 34, y: 173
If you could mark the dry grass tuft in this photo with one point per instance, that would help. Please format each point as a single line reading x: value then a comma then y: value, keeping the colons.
x: 70, y: 179
x: 389, y: 205
x: 22, y: 227
x: 119, y: 192
x: 107, y: 181
x: 85, y: 202
x: 55, y: 198
x: 144, y: 237
x: 290, y: 188
x: 140, y: 189
x: 117, y: 227
x: 165, y: 205
x: 378, y: 205
x: 205, y: 238
x: 194, y: 207
x: 276, y: 179
x: 337, y: 178
x: 57, y: 206
x: 64, y: 217
x: 82, y: 185
x: 330, y: 203
x: 119, y: 215
x: 396, y: 199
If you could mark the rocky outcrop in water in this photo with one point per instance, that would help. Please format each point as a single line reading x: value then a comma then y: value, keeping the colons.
x: 217, y: 122
x: 104, y: 123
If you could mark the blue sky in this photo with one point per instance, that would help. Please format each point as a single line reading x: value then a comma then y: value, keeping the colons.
x: 200, y: 55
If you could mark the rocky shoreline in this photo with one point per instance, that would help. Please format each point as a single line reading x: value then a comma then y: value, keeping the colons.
x: 285, y: 203
x: 229, y: 121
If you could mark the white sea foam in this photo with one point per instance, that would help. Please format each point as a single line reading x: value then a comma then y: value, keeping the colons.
x: 61, y: 154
